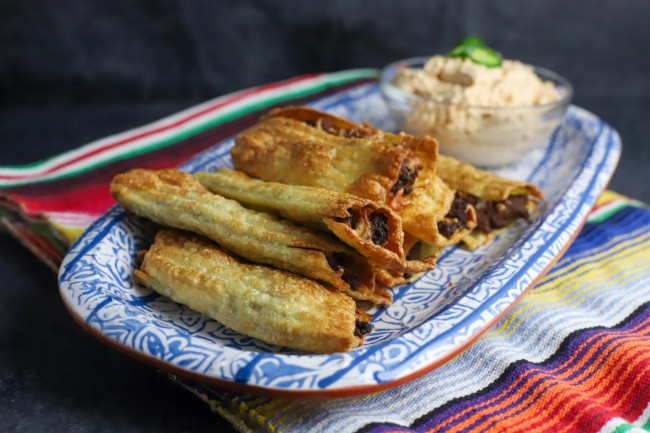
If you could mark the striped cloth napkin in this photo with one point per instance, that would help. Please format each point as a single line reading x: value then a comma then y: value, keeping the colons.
x: 574, y: 355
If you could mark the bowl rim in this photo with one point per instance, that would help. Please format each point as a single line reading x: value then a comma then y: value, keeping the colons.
x: 391, y: 92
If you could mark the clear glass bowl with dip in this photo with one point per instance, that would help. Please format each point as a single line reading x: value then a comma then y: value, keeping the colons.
x: 483, y: 135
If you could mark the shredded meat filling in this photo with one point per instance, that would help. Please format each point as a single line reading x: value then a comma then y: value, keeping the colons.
x: 407, y: 175
x: 361, y: 328
x: 352, y: 279
x: 333, y: 260
x: 379, y: 228
x: 492, y: 215
x: 415, y: 252
x: 457, y: 214
x: 354, y: 218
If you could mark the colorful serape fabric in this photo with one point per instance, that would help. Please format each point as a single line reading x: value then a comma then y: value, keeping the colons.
x: 573, y: 355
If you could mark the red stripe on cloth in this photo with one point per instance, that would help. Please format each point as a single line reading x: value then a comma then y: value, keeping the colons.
x: 88, y: 192
x: 589, y: 405
x: 111, y: 145
x: 603, y: 376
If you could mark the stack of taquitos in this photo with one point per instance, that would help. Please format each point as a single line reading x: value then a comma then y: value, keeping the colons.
x: 177, y: 199
x: 340, y: 211
x: 303, y: 146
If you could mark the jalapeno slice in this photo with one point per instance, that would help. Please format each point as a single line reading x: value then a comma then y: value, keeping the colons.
x: 474, y: 48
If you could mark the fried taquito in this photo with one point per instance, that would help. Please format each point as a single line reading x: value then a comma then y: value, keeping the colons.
x: 498, y: 201
x: 436, y: 215
x: 274, y: 306
x: 372, y: 229
x: 296, y: 146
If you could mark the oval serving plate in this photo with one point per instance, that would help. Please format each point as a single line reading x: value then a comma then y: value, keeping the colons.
x: 430, y: 321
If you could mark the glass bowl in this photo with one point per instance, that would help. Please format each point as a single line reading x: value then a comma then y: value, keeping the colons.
x: 483, y: 136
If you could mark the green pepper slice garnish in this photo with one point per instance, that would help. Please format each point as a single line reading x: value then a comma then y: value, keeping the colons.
x: 474, y: 48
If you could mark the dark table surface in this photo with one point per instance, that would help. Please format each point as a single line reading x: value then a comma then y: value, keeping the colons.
x: 72, y: 72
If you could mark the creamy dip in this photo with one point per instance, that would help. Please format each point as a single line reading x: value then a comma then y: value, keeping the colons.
x: 462, y: 82
x: 474, y: 110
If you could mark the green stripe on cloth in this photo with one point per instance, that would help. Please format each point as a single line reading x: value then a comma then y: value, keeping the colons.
x: 219, y: 117
x: 624, y: 428
x: 611, y: 209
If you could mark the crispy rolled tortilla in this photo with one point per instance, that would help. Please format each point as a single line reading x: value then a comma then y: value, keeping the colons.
x: 431, y: 211
x: 329, y: 123
x: 392, y: 278
x: 498, y: 201
x: 177, y: 199
x: 274, y: 306
x: 416, y: 249
x: 374, y: 293
x: 422, y: 156
x: 300, y: 152
x: 464, y: 177
x: 373, y: 230
x: 436, y: 215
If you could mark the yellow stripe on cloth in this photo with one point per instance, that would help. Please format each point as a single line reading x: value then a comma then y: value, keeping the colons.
x: 609, y: 196
x: 614, y: 246
x: 69, y: 234
x: 616, y: 267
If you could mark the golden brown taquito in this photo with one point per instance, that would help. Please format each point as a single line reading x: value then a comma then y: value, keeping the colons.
x: 274, y: 306
x: 372, y: 229
x: 483, y: 184
x: 498, y: 201
x: 299, y: 152
x: 436, y: 215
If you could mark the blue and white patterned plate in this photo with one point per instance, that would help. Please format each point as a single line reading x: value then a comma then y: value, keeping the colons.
x: 429, y: 322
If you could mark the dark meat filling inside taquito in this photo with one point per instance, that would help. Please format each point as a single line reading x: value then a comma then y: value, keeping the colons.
x: 377, y: 222
x: 335, y: 261
x: 379, y: 227
x: 493, y: 215
x: 408, y: 173
x: 361, y: 328
x: 457, y: 214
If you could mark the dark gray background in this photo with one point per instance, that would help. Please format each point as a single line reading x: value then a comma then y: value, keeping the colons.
x: 74, y: 71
